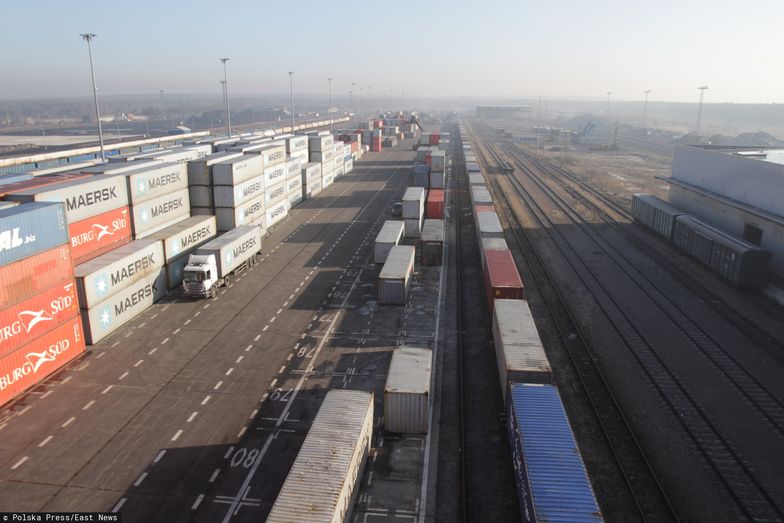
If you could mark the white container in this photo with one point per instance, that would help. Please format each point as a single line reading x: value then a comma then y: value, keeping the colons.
x: 158, y: 213
x: 395, y: 277
x: 390, y: 235
x: 236, y: 170
x: 271, y: 154
x: 185, y: 236
x: 294, y: 185
x: 327, y: 180
x: 118, y: 168
x: 303, y: 156
x: 312, y: 188
x: 234, y: 196
x: 311, y: 171
x: 274, y: 194
x: 348, y: 166
x: 233, y: 248
x: 108, y: 274
x: 431, y: 244
x: 295, y: 198
x: 413, y: 227
x: 322, y: 156
x: 106, y: 317
x: 186, y: 154
x: 322, y: 484
x: 277, y: 212
x: 476, y: 179
x: 200, y: 170
x: 201, y: 196
x: 296, y: 143
x: 293, y: 168
x: 148, y: 182
x: 414, y: 203
x: 248, y: 213
x: 339, y: 171
x: 407, y: 391
x: 518, y: 348
x: 480, y: 196
x: 275, y: 174
x: 320, y: 143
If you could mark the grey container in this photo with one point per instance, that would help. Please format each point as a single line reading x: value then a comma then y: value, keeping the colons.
x: 323, y: 156
x: 494, y: 244
x: 395, y: 277
x: 106, y: 317
x: 236, y: 195
x: 156, y: 214
x: 390, y: 235
x: 174, y: 270
x: 200, y: 170
x: 407, y: 391
x: 655, y: 214
x: 201, y: 196
x: 186, y: 154
x: 233, y: 248
x: 234, y: 171
x: 413, y: 227
x: 488, y: 226
x: 119, y: 168
x: 246, y: 214
x: 31, y: 228
x: 320, y: 143
x: 101, y: 278
x: 476, y: 179
x: 414, y: 202
x: 518, y: 349
x: 83, y: 198
x: 155, y: 180
x: 186, y: 235
x: 432, y: 242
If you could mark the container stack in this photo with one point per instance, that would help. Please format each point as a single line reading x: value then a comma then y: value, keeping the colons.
x: 311, y: 179
x: 158, y: 197
x: 276, y: 174
x: 297, y: 147
x: 338, y: 154
x: 434, y: 206
x: 200, y: 181
x: 238, y: 193
x: 420, y: 175
x: 39, y: 314
x: 413, y: 211
x: 294, y: 180
x: 182, y: 239
x: 437, y: 169
x: 322, y: 151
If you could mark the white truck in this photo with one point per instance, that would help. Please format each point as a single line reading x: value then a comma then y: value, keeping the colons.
x: 216, y: 263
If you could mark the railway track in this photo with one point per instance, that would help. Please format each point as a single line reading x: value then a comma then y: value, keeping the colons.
x: 750, y: 495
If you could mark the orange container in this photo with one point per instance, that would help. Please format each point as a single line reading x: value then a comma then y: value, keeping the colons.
x: 30, y: 276
x: 100, y: 234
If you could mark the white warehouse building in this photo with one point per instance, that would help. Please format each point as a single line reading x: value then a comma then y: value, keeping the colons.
x: 739, y: 191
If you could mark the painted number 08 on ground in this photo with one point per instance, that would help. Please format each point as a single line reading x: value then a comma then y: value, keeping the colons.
x: 244, y: 457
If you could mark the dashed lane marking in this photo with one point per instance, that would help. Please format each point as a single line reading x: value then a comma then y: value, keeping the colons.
x: 138, y: 363
x: 248, y: 348
x: 89, y: 404
x: 257, y: 337
x: 107, y: 389
x: 159, y: 456
x: 192, y: 416
x: 242, y: 432
x: 66, y: 379
x: 139, y: 481
x: 100, y: 355
x: 19, y: 463
x: 197, y: 502
x: 286, y: 303
x: 176, y: 331
x: 205, y: 400
x: 115, y: 343
x: 177, y: 435
x: 279, y: 311
x: 282, y: 368
x: 214, y: 475
x: 119, y: 505
x: 228, y: 372
x: 239, y: 359
x: 45, y: 394
x: 265, y: 328
x: 217, y: 385
x: 166, y: 340
x: 123, y: 376
x: 71, y: 420
x: 273, y: 382
x: 152, y: 351
x: 187, y: 322
x: 272, y: 320
x: 45, y: 441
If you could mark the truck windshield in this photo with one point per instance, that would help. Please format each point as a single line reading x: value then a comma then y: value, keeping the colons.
x: 193, y: 276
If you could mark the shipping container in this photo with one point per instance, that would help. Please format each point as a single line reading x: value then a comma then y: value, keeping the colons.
x: 294, y: 168
x: 33, y: 274
x: 518, y: 349
x: 236, y: 195
x: 655, y: 214
x: 321, y: 486
x: 407, y: 391
x: 275, y: 194
x: 248, y: 213
x: 296, y: 143
x: 390, y: 235
x: 327, y: 180
x: 275, y: 174
x: 200, y: 170
x: 501, y: 277
x: 40, y: 358
x: 483, y: 208
x: 495, y: 244
x: 414, y: 203
x: 480, y: 196
x: 201, y: 196
x: 100, y: 234
x: 295, y: 198
x: 236, y: 170
x: 348, y: 166
x: 434, y: 206
x: 437, y: 179
x: 276, y: 212
x: 312, y: 189
x: 185, y: 236
x: 488, y: 226
x: 311, y: 171
x: 156, y: 180
x: 103, y: 318
x: 395, y: 277
x: 271, y: 154
x: 320, y: 143
x: 29, y: 229
x: 83, y: 198
x: 420, y: 175
x: 552, y: 484
x: 476, y: 180
x: 437, y: 161
x: 36, y: 315
x: 174, y: 271
x: 230, y: 248
x: 156, y: 214
x: 106, y: 275
x: 119, y: 168
x: 323, y: 157
x: 294, y: 185
x: 413, y: 227
x: 432, y: 242
x: 184, y: 155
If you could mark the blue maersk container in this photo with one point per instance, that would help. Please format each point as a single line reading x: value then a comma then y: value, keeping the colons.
x: 552, y: 484
x: 31, y: 228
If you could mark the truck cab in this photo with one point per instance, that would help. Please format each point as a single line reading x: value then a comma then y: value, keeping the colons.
x: 200, y: 276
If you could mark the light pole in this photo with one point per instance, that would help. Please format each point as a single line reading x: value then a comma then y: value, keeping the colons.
x: 291, y: 93
x: 353, y: 99
x: 226, y: 91
x: 699, y: 110
x: 608, y: 102
x: 223, y: 90
x: 88, y: 37
x: 163, y: 108
x: 645, y: 111
x: 329, y: 106
x: 360, y: 103
x: 370, y: 95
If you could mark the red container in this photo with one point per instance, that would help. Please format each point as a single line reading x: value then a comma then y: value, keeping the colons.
x: 37, y: 315
x: 354, y: 146
x: 39, y: 181
x: 434, y: 205
x: 375, y: 145
x: 100, y: 234
x: 428, y: 159
x: 501, y: 277
x: 483, y: 208
x: 25, y: 278
x: 434, y: 138
x: 34, y: 362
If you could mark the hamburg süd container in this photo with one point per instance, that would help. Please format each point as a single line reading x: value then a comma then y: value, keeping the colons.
x: 552, y: 483
x: 407, y: 391
x: 156, y: 214
x: 236, y: 195
x: 32, y: 363
x: 501, y: 277
x: 434, y: 205
x: 29, y: 229
x: 33, y: 274
x: 518, y: 348
x: 432, y: 242
x: 231, y: 248
x: 95, y: 236
x: 390, y: 235
x: 186, y: 235
x: 152, y: 181
x: 200, y: 171
x: 321, y: 486
x: 236, y: 170
x: 395, y: 277
x: 414, y: 203
x: 106, y: 275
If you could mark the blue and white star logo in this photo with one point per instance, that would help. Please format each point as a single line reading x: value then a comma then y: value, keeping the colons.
x: 228, y: 258
x: 106, y: 317
x: 176, y: 246
x: 141, y: 186
x: 145, y: 215
x: 101, y: 285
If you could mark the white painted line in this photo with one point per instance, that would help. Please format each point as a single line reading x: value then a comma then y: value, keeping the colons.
x: 100, y: 355
x: 206, y: 399
x: 71, y: 420
x: 273, y: 382
x: 119, y: 505
x: 264, y: 397
x: 242, y: 432
x: 286, y: 303
x: 86, y: 364
x: 296, y: 346
x: 176, y: 331
x: 66, y: 380
x: 279, y: 311
x: 304, y: 335
x: 248, y: 348
x: 139, y: 481
x: 152, y: 351
x: 239, y: 359
x: 44, y: 442
x: 253, y: 414
x: 257, y: 337
x: 214, y: 475
x: 165, y: 341
x: 192, y: 416
x: 138, y: 363
x: 115, y: 343
x: 159, y: 456
x: 289, y: 357
x: 291, y: 297
x: 282, y: 368
x: 197, y: 502
x: 154, y: 316
x: 273, y: 319
x: 18, y: 463
x: 196, y: 313
x: 107, y: 389
x: 207, y: 306
x: 177, y: 435
x: 217, y: 385
x: 228, y: 372
x: 265, y: 328
x: 45, y: 394
x: 89, y: 404
x: 187, y: 322
x: 142, y: 324
x: 124, y: 374
x: 228, y: 453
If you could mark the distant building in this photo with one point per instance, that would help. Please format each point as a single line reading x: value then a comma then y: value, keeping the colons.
x: 503, y: 111
x: 739, y: 191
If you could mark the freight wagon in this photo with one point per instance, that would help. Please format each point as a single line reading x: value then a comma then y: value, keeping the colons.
x: 655, y: 214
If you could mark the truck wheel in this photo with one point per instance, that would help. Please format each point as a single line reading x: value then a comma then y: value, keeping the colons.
x: 228, y: 279
x: 254, y: 259
x: 213, y: 292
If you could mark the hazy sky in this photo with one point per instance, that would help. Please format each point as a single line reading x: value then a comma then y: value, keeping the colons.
x: 556, y: 48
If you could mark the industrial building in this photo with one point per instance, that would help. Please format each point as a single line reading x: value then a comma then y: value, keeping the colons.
x: 740, y: 191
x: 503, y: 111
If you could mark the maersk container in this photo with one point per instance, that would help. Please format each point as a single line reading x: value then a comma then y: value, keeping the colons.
x: 552, y: 484
x: 432, y: 242
x: 174, y: 271
x: 295, y: 198
x: 276, y: 213
x: 312, y: 188
x: 83, y: 197
x: 236, y: 170
x: 156, y: 180
x: 232, y: 248
x: 320, y: 143
x: 390, y: 235
x: 28, y: 229
x: 100, y: 234
x: 271, y: 154
x: 293, y: 168
x: 348, y: 166
x: 156, y: 214
x: 107, y: 275
x: 105, y: 317
x: 322, y: 485
x: 303, y: 156
x: 407, y: 391
x: 311, y: 171
x: 275, y: 174
x: 35, y: 273
x: 340, y: 170
x: 323, y: 157
x: 395, y: 277
x: 200, y: 170
x: 518, y: 349
x: 186, y: 154
x: 36, y: 315
x: 248, y: 213
x: 414, y: 203
x: 119, y: 168
x: 296, y: 143
x: 655, y: 214
x: 41, y: 357
x: 186, y: 235
x: 501, y: 277
x: 327, y: 180
x: 275, y: 194
x: 236, y: 195
x: 294, y: 185
x: 201, y: 196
